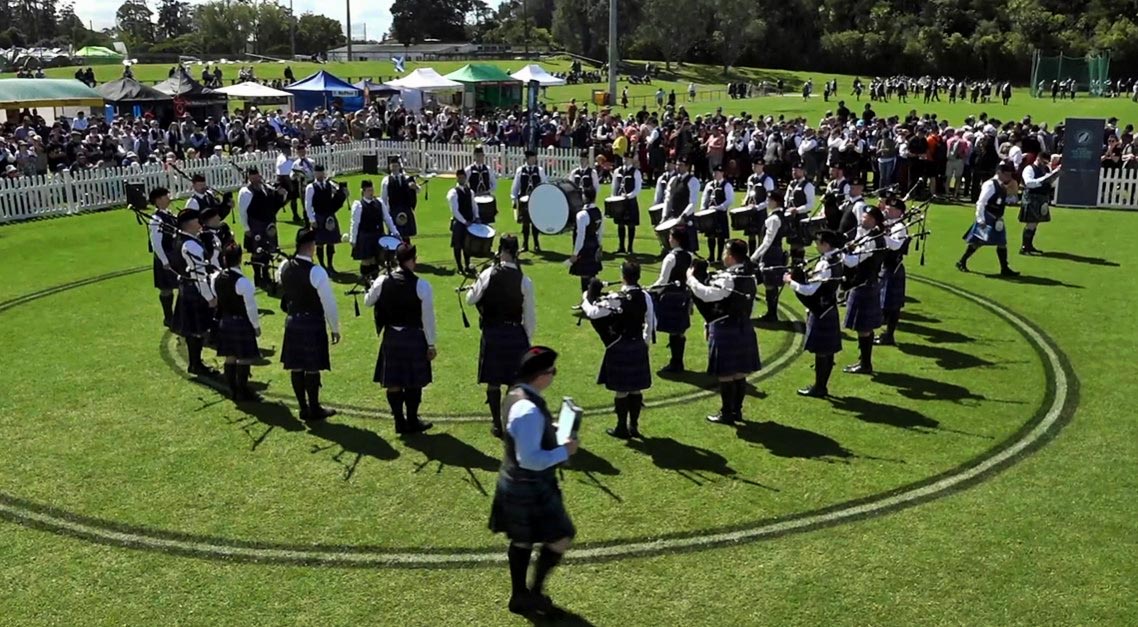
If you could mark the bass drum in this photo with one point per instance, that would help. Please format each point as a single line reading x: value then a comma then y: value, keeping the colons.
x: 553, y: 205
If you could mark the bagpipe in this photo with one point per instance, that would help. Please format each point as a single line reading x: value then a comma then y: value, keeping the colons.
x: 201, y: 269
x: 605, y: 326
x: 463, y: 288
x: 223, y: 199
x: 276, y: 189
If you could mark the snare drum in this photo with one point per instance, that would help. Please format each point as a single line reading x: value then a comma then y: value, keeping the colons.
x: 554, y: 205
x: 479, y: 241
x: 487, y: 207
x: 615, y: 207
x: 387, y: 246
x: 750, y: 220
x: 810, y: 227
x: 656, y: 213
x: 706, y: 222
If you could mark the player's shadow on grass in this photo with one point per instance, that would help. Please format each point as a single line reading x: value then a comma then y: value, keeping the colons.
x: 933, y: 334
x: 695, y: 378
x: 436, y: 269
x: 1025, y: 279
x: 354, y: 444
x: 784, y: 441
x: 560, y: 617
x: 779, y: 325
x: 690, y: 462
x: 1094, y: 261
x: 946, y: 358
x: 272, y: 416
x: 344, y: 278
x: 443, y: 449
x: 882, y: 414
x: 922, y: 389
x: 913, y: 316
x: 590, y: 465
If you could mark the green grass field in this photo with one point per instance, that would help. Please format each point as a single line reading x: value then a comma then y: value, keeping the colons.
x: 983, y: 477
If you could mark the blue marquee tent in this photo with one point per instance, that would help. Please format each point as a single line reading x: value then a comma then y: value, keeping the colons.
x: 325, y: 90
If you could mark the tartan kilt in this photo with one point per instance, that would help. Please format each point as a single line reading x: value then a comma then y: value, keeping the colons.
x: 631, y: 215
x: 235, y: 337
x: 285, y: 181
x: 997, y: 232
x: 893, y: 289
x: 164, y: 279
x: 367, y: 245
x: 773, y: 278
x: 327, y: 230
x: 305, y: 345
x: 192, y: 314
x: 1036, y: 208
x: 823, y: 333
x: 402, y: 360
x: 501, y: 353
x: 408, y: 227
x: 732, y: 347
x: 530, y: 511
x: 722, y: 224
x: 863, y: 308
x: 673, y: 310
x: 625, y: 366
x: 457, y: 235
x: 260, y: 236
x: 588, y: 262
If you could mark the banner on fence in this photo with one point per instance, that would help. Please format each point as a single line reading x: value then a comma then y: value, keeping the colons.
x: 1082, y: 150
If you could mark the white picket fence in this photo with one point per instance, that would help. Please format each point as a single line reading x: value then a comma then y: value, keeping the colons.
x: 69, y: 193
x: 1118, y: 188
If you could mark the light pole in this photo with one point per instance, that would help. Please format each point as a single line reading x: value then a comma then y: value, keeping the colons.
x: 291, y: 30
x: 612, y: 51
x: 348, y: 19
x: 525, y: 25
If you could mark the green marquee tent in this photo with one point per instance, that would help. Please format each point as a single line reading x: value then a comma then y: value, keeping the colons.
x: 96, y: 55
x: 487, y: 86
x: 18, y: 93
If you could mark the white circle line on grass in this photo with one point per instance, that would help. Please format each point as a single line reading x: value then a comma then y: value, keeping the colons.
x: 110, y: 533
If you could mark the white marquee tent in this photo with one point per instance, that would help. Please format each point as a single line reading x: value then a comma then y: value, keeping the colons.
x: 425, y: 79
x: 534, y: 72
x: 250, y: 90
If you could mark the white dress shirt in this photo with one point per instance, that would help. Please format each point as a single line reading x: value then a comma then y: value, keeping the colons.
x: 896, y: 235
x: 493, y: 178
x: 618, y: 184
x: 820, y: 275
x: 728, y: 197
x: 662, y: 188
x: 773, y: 225
x: 318, y: 278
x: 197, y: 267
x: 452, y: 200
x: 529, y: 305
x: 987, y: 191
x: 693, y: 197
x: 309, y: 192
x: 863, y: 252
x: 582, y: 219
x: 426, y: 298
x: 666, y: 267
x: 284, y: 165
x: 156, y: 238
x: 722, y: 286
x: 515, y: 189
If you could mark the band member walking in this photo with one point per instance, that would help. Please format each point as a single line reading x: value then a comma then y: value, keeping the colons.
x: 585, y: 178
x: 588, y: 228
x: 670, y: 300
x: 238, y: 324
x: 312, y: 313
x: 718, y: 195
x: 285, y: 181
x: 528, y: 505
x: 799, y: 203
x: 893, y: 268
x: 626, y: 183
x: 369, y: 215
x: 167, y: 255
x: 526, y: 178
x: 193, y: 312
x: 1038, y: 178
x: 463, y: 213
x: 863, y: 258
x: 398, y: 193
x: 505, y: 299
x: 322, y: 199
x: 770, y: 256
x: 481, y: 177
x: 405, y: 317
x: 818, y: 290
x: 257, y: 209
x: 625, y: 369
x: 989, y: 229
x: 733, y: 349
x: 759, y: 185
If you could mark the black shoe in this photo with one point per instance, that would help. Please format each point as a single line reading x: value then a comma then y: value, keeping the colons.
x: 1024, y: 250
x: 248, y: 395
x: 673, y: 367
x: 962, y: 266
x: 813, y: 392
x: 634, y: 433
x: 885, y: 340
x: 770, y: 317
x: 1006, y: 271
x: 536, y: 248
x: 542, y: 604
x: 721, y: 419
x: 620, y: 250
x: 202, y: 370
x: 304, y: 417
x: 419, y: 426
x: 496, y: 431
x: 618, y: 433
x: 858, y: 368
x: 522, y: 604
x: 316, y: 414
x: 1032, y: 250
x: 525, y: 249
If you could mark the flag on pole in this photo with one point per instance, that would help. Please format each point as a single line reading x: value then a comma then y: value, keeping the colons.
x: 398, y: 63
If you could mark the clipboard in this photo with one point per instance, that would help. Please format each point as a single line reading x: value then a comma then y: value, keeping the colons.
x: 568, y: 420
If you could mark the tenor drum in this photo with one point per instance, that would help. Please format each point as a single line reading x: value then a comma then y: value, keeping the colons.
x: 387, y: 246
x: 487, y: 207
x: 664, y: 228
x: 705, y: 222
x: 480, y: 241
x: 750, y: 220
x: 656, y: 213
x: 553, y: 205
x: 810, y: 227
x: 615, y: 207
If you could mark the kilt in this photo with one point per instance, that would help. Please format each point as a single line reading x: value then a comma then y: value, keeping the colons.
x: 260, y: 235
x: 722, y: 224
x: 673, y: 309
x: 530, y: 510
x: 863, y: 308
x: 693, y: 237
x: 732, y: 347
x: 773, y: 278
x: 991, y: 233
x: 631, y: 215
x: 402, y: 360
x: 192, y: 314
x: 285, y: 181
x: 327, y: 229
x: 164, y: 279
x: 823, y: 333
x: 367, y: 245
x: 893, y: 289
x: 588, y: 262
x: 235, y: 337
x: 305, y: 345
x: 457, y: 235
x: 500, y: 353
x: 625, y: 366
x: 1036, y: 208
x: 404, y: 220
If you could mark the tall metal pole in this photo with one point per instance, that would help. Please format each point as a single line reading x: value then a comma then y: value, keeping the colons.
x: 525, y: 25
x: 348, y: 19
x: 612, y: 51
x: 291, y: 30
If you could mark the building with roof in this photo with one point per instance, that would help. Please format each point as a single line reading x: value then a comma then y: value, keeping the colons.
x: 428, y: 51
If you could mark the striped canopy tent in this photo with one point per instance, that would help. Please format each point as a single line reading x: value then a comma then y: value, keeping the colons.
x: 487, y: 86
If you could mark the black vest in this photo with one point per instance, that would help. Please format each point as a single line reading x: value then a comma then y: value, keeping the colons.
x: 229, y: 302
x: 783, y: 227
x: 371, y: 216
x: 262, y: 206
x: 796, y: 193
x: 718, y: 194
x: 737, y: 305
x: 465, y: 199
x: 680, y: 270
x: 629, y: 323
x: 207, y: 201
x: 893, y: 258
x: 997, y: 203
x: 399, y: 304
x: 826, y: 296
x: 627, y: 174
x: 529, y: 178
x: 847, y: 219
x: 583, y: 178
x: 324, y: 199
x: 169, y: 240
x: 1043, y: 190
x: 679, y: 195
x: 479, y: 178
x: 595, y: 219
x: 299, y: 297
x: 399, y: 192
x: 502, y: 300
x: 757, y: 189
x: 510, y: 466
x: 867, y: 271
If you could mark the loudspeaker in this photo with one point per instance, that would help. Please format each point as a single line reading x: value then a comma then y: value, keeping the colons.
x: 136, y: 195
x: 371, y: 164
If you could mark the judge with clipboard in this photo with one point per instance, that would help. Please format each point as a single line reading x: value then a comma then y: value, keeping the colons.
x: 527, y: 502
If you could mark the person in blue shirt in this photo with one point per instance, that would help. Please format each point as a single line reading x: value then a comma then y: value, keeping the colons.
x: 527, y: 503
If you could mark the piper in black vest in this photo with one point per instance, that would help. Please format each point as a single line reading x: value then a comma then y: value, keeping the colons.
x: 586, y: 179
x: 322, y: 199
x: 588, y: 229
x: 818, y: 290
x: 989, y: 229
x: 626, y: 182
x: 481, y: 178
x: 718, y: 195
x: 193, y: 312
x: 863, y: 259
x: 670, y: 299
x: 505, y: 299
x: 398, y: 193
x: 405, y: 317
x: 625, y: 369
x: 217, y: 234
x: 759, y: 185
x: 661, y: 194
x: 770, y: 257
x: 733, y: 349
x: 463, y: 213
x: 238, y: 325
x: 893, y: 268
x: 167, y: 258
x: 204, y: 197
x: 526, y: 178
x: 311, y: 307
x: 528, y: 505
x: 852, y: 209
x: 369, y: 216
x: 257, y: 208
x: 1038, y: 179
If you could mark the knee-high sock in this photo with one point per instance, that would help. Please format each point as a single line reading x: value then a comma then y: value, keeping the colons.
x: 635, y: 402
x: 968, y: 252
x: 631, y: 237
x: 458, y: 258
x: 194, y: 350
x: 1002, y: 255
x: 525, y: 235
x: 891, y: 320
x: 620, y: 404
x: 822, y: 367
x: 167, y: 301
x: 739, y: 394
x: 395, y: 402
x: 331, y: 253
x: 297, y: 377
x: 494, y: 400
x: 536, y: 240
x: 519, y: 557
x: 772, y: 301
x: 547, y: 560
x: 727, y: 398
x: 1028, y: 238
x: 620, y: 235
x: 312, y: 387
x: 320, y: 254
x: 865, y: 350
x: 412, y: 397
x: 243, y: 371
x: 676, y: 343
x: 585, y: 280
x: 231, y: 378
x: 752, y: 243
